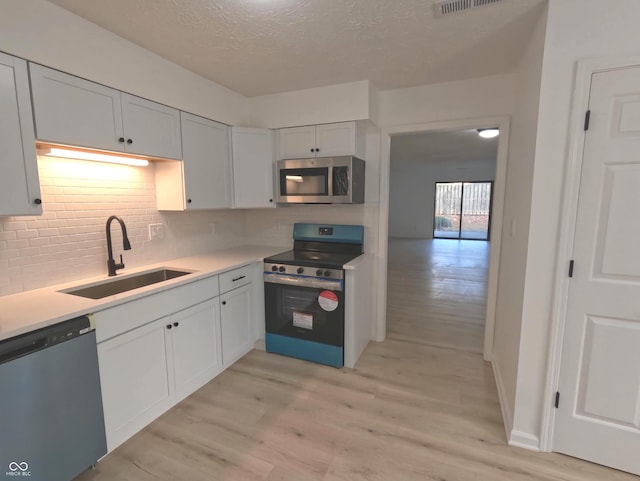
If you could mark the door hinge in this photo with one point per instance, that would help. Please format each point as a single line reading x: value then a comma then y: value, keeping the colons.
x: 557, y: 403
x: 571, y: 268
x: 587, y: 117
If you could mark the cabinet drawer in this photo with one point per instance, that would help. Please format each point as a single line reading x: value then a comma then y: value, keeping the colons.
x: 235, y: 278
x: 130, y: 315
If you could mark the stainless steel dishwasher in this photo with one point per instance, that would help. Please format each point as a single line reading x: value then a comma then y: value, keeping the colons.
x: 51, y: 418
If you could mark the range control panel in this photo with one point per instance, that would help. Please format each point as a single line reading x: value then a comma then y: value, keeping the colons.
x: 304, y: 271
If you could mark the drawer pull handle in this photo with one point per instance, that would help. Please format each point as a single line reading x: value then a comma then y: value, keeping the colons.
x: 238, y: 278
x: 224, y: 303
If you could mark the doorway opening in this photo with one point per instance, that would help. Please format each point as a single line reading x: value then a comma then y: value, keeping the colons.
x: 439, y: 198
x: 462, y: 210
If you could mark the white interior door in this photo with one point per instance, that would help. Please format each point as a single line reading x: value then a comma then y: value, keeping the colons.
x: 599, y: 410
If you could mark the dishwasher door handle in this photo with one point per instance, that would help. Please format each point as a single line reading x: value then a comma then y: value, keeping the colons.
x: 23, y: 350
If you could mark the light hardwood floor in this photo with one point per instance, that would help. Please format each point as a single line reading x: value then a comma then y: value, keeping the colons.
x: 436, y: 292
x: 415, y: 408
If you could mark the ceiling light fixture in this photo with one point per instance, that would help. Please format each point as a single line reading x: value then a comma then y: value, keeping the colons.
x: 488, y: 133
x: 93, y: 156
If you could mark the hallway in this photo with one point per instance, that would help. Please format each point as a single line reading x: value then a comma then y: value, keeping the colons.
x: 436, y: 292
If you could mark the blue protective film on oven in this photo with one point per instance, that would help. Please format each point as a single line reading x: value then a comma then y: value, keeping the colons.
x: 303, y: 349
x: 348, y: 234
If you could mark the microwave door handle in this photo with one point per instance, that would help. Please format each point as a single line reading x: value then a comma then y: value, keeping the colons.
x: 330, y: 179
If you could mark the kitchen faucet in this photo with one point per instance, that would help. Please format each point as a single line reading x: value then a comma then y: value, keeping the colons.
x: 111, y: 264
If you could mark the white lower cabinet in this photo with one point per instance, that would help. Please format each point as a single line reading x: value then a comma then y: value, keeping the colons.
x: 145, y: 371
x: 155, y: 351
x: 236, y: 320
x: 136, y: 380
x: 194, y: 341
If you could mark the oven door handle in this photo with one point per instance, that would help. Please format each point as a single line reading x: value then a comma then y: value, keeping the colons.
x: 302, y: 281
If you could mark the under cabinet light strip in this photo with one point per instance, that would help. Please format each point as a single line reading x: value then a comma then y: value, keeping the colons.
x: 93, y: 156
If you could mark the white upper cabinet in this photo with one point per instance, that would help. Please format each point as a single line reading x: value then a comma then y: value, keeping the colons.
x: 252, y: 167
x: 73, y: 111
x: 327, y: 140
x: 19, y: 186
x: 297, y: 142
x: 150, y: 128
x: 203, y: 179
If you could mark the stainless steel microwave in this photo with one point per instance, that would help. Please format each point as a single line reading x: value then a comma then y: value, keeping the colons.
x: 323, y: 180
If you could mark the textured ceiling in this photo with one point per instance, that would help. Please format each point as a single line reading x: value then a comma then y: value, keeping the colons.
x: 462, y: 148
x: 258, y: 47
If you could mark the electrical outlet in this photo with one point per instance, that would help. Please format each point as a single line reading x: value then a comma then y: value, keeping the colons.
x: 156, y: 231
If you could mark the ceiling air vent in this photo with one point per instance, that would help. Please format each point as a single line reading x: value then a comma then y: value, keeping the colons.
x: 456, y: 6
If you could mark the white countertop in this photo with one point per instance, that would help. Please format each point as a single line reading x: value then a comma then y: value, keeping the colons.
x: 30, y: 310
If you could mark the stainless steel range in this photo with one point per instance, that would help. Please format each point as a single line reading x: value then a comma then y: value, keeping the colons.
x: 304, y: 292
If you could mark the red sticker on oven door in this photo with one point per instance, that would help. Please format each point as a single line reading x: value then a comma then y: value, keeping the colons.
x: 328, y: 300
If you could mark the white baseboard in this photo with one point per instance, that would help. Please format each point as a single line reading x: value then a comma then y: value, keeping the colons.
x: 507, y: 415
x: 516, y: 438
x: 259, y: 344
x: 524, y: 440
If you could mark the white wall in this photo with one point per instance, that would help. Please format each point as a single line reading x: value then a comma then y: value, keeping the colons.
x: 464, y: 99
x: 321, y: 105
x: 576, y: 30
x: 45, y: 33
x: 516, y: 225
x: 412, y: 191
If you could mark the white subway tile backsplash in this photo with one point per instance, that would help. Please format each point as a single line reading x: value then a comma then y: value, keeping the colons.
x: 38, y: 241
x: 9, y: 253
x: 14, y: 226
x: 17, y: 244
x: 27, y: 234
x: 68, y: 242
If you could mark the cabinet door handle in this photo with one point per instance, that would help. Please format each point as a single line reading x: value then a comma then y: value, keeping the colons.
x: 121, y: 140
x: 37, y: 201
x: 168, y: 326
x: 312, y: 150
x: 129, y: 141
x: 188, y: 201
x: 176, y: 324
x: 238, y: 278
x: 224, y: 303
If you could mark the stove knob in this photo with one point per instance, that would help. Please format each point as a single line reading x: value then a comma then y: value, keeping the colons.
x: 327, y: 273
x: 300, y: 270
x: 282, y: 269
x: 319, y: 273
x: 274, y: 268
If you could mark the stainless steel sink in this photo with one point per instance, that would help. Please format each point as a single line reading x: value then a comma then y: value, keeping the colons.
x: 124, y: 284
